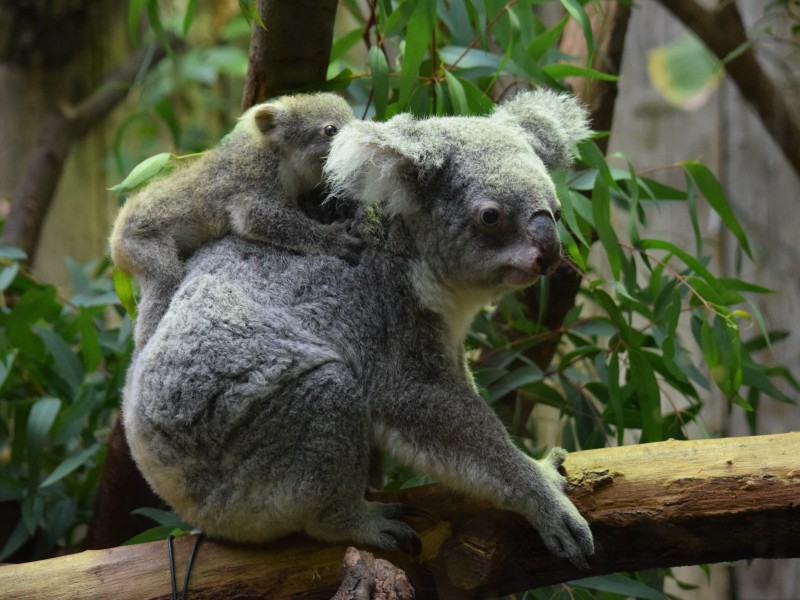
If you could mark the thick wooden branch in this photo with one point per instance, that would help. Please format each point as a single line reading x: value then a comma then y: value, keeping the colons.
x: 34, y: 193
x: 654, y: 505
x: 722, y: 30
x: 292, y: 52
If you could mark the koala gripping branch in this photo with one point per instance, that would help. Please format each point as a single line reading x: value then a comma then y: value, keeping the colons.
x: 653, y: 505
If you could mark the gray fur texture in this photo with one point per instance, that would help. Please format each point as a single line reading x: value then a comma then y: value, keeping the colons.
x: 255, y: 406
x: 251, y: 184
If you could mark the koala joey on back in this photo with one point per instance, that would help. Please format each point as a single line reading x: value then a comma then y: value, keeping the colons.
x: 251, y: 184
x: 255, y: 407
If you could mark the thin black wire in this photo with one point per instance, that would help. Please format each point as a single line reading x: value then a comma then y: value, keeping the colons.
x: 196, y: 545
x: 172, y: 567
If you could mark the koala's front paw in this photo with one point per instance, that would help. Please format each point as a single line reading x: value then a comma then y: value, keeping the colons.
x: 563, y: 529
x: 394, y: 533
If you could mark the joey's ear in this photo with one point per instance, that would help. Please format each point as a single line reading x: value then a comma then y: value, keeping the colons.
x: 265, y: 116
x: 378, y: 162
x: 553, y: 123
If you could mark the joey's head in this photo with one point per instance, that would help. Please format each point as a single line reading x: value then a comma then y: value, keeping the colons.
x: 475, y: 193
x: 300, y: 129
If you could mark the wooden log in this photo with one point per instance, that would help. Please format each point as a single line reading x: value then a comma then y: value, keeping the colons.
x: 653, y: 505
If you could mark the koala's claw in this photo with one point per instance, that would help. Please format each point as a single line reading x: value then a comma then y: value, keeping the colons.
x: 405, y: 541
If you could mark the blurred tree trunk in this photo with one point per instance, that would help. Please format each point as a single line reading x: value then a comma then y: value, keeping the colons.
x: 53, y: 55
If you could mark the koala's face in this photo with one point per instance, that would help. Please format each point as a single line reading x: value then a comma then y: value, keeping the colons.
x: 487, y: 218
x: 303, y: 127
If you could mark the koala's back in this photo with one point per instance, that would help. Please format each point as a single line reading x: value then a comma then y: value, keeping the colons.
x: 252, y: 372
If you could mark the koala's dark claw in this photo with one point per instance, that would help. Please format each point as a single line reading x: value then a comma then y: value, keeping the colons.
x: 408, y: 543
x: 413, y: 511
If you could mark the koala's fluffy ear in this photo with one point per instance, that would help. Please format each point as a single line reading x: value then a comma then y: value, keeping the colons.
x: 377, y: 162
x: 552, y: 122
x: 265, y: 116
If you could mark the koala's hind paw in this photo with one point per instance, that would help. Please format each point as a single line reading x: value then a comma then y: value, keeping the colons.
x: 397, y: 535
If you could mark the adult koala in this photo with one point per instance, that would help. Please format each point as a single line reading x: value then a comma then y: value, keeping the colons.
x: 255, y: 406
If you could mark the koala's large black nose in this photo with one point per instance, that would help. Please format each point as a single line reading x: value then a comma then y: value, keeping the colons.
x: 544, y: 237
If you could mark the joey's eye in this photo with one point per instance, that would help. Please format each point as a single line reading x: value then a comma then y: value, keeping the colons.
x: 330, y: 130
x: 489, y: 217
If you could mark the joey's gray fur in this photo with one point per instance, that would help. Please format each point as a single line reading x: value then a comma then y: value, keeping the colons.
x: 255, y: 405
x: 250, y: 184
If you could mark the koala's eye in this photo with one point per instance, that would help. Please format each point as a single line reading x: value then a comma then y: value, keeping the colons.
x: 330, y: 130
x: 557, y: 215
x: 489, y: 217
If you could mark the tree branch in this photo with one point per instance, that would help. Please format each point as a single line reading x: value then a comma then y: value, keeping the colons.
x: 34, y: 194
x: 722, y: 30
x: 653, y: 505
x: 285, y: 56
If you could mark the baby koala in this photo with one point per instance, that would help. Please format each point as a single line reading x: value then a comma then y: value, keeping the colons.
x: 252, y: 183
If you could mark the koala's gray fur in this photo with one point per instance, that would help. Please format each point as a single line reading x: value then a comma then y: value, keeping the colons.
x: 251, y: 184
x: 255, y: 405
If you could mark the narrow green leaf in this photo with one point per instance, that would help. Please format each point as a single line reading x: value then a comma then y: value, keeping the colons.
x: 615, y: 396
x: 8, y: 275
x: 134, y: 12
x: 619, y: 584
x: 575, y: 10
x: 67, y: 362
x: 70, y: 464
x: 546, y: 40
x: 561, y: 70
x: 154, y: 16
x: 342, y: 44
x: 643, y: 378
x: 710, y: 187
x: 457, y: 95
x: 91, y: 352
x: 40, y: 420
x: 12, y: 253
x: 124, y: 288
x: 15, y: 540
x: 418, y: 37
x: 188, y: 18
x: 6, y: 364
x: 379, y: 70
x: 601, y: 213
x: 142, y: 173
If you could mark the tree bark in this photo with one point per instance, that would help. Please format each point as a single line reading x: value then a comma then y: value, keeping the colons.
x: 34, y: 193
x: 288, y: 56
x: 653, y: 505
x: 722, y: 30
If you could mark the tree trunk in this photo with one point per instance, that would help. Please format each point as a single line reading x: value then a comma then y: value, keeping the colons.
x: 652, y: 505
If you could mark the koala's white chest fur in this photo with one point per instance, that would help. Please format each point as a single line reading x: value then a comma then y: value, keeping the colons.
x: 457, y: 307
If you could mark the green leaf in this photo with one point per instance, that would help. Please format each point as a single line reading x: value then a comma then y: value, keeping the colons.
x: 143, y: 172
x: 546, y: 40
x: 344, y: 43
x: 12, y: 252
x: 418, y: 36
x: 643, y: 378
x: 6, y: 364
x: 188, y: 18
x: 134, y: 12
x: 708, y: 184
x: 124, y: 288
x: 575, y: 10
x: 41, y: 418
x: 67, y: 362
x: 379, y: 70
x: 156, y: 534
x: 8, y: 275
x: 70, y: 464
x: 560, y: 71
x: 615, y: 396
x: 514, y: 380
x: 15, y: 541
x: 457, y: 94
x: 619, y: 584
x: 601, y: 213
x: 684, y: 72
x: 91, y: 352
